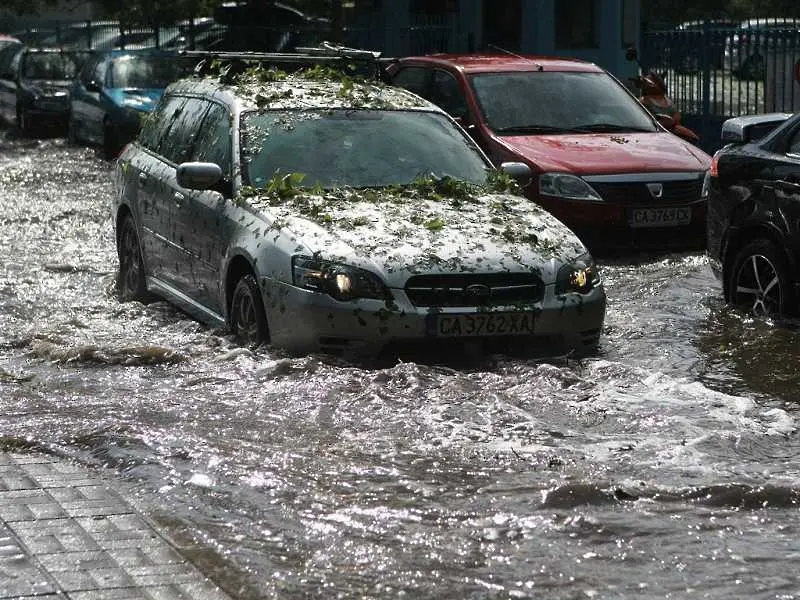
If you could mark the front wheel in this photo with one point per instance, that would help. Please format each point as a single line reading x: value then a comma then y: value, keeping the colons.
x: 131, y: 283
x: 759, y: 282
x: 248, y: 320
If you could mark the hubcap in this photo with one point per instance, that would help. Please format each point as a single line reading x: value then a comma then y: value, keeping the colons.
x: 758, y: 286
x: 131, y: 265
x: 245, y: 316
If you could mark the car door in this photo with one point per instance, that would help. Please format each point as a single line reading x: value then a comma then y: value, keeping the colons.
x: 174, y: 215
x: 9, y: 64
x: 787, y: 181
x: 147, y: 173
x: 210, y: 226
x: 87, y: 103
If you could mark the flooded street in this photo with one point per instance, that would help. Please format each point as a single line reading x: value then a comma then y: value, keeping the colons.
x: 666, y: 466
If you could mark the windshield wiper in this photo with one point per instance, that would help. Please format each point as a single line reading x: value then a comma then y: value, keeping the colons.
x: 602, y: 127
x: 535, y: 129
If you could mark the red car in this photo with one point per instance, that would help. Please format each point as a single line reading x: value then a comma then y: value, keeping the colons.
x: 601, y: 162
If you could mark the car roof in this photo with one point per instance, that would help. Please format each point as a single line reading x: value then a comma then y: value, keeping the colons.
x: 485, y: 62
x: 297, y: 90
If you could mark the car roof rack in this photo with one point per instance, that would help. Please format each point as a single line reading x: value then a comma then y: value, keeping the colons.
x: 351, y: 59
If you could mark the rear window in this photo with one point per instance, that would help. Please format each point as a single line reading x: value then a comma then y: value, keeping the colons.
x: 154, y: 72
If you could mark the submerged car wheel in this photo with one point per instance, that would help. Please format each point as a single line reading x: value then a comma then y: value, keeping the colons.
x: 247, y: 318
x: 130, y: 279
x: 759, y: 281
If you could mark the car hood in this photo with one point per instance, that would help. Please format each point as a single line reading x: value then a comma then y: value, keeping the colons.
x: 598, y: 154
x: 398, y: 236
x: 143, y: 99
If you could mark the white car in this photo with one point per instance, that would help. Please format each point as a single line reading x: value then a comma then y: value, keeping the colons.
x: 318, y: 212
x: 746, y: 48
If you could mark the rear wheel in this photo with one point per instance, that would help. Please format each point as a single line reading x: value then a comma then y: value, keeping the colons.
x: 131, y: 283
x: 248, y: 320
x: 759, y: 282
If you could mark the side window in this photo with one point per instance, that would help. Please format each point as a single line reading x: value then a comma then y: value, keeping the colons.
x: 794, y: 144
x: 414, y: 79
x: 6, y: 55
x: 447, y: 94
x: 98, y: 74
x: 158, y: 122
x: 213, y: 142
x: 176, y: 143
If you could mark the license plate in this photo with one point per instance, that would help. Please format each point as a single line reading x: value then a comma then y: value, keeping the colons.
x: 483, y: 324
x: 660, y: 217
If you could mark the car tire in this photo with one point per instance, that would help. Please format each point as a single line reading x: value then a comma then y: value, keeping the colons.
x: 23, y: 121
x: 248, y: 321
x: 759, y: 281
x: 131, y: 283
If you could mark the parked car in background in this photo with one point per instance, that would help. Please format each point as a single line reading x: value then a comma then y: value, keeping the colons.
x: 327, y: 214
x: 688, y: 41
x: 7, y: 40
x: 754, y: 214
x: 601, y: 162
x: 115, y: 90
x: 746, y: 48
x: 34, y: 86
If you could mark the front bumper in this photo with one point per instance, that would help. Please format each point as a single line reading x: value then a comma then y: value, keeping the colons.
x: 607, y: 227
x: 303, y: 321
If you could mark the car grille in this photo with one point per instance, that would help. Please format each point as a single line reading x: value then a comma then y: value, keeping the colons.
x: 681, y: 191
x: 488, y: 289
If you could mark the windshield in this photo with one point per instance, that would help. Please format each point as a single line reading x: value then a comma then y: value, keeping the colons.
x: 357, y: 148
x: 558, y: 102
x: 153, y: 72
x: 51, y: 65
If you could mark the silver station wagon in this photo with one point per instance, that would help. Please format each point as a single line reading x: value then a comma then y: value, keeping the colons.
x: 324, y: 212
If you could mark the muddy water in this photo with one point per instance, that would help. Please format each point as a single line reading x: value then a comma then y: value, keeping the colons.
x: 664, y: 467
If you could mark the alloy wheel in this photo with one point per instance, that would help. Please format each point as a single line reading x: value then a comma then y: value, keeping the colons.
x: 758, y: 286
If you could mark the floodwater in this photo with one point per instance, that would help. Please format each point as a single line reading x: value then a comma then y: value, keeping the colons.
x: 666, y: 466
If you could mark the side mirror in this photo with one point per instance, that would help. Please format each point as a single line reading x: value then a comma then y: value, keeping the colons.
x: 198, y: 175
x: 521, y: 172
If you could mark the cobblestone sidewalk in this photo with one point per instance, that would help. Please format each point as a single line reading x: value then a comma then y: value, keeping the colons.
x: 64, y: 534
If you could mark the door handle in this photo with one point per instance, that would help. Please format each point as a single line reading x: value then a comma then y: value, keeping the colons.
x: 142, y: 179
x: 178, y: 198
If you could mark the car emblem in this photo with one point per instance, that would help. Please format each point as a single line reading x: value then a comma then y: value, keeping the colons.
x: 656, y: 189
x: 478, y: 291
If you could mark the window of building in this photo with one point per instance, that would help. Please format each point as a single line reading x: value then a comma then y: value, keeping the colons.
x: 576, y: 24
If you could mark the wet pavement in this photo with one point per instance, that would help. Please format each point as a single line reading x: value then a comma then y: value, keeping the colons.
x: 64, y: 533
x: 665, y: 466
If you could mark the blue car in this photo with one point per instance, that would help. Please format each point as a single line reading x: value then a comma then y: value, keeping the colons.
x: 115, y: 89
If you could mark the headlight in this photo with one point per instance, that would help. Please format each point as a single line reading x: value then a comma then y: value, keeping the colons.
x: 706, y: 185
x: 580, y: 276
x: 339, y: 281
x: 564, y: 185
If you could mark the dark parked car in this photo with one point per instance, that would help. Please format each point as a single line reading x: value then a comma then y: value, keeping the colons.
x: 115, y: 90
x: 602, y: 163
x: 754, y: 214
x: 34, y: 86
x: 343, y: 216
